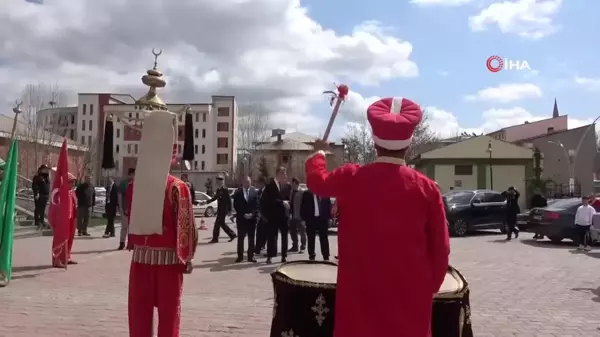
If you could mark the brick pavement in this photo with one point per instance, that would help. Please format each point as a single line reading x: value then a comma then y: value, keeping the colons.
x: 517, y: 289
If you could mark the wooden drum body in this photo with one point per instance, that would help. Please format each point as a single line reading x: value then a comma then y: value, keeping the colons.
x: 304, y: 299
x: 451, y: 307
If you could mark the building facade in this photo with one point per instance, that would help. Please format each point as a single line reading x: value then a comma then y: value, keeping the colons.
x: 291, y: 151
x: 214, y: 130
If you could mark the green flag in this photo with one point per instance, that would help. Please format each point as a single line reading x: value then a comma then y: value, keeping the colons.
x: 8, y: 191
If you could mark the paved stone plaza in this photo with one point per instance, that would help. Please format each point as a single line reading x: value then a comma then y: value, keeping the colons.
x: 517, y: 289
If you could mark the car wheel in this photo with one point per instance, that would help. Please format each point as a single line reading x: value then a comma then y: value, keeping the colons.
x: 459, y: 227
x: 555, y: 239
x: 209, y: 212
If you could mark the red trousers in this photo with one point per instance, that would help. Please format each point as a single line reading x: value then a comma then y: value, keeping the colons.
x: 62, y: 244
x: 155, y: 286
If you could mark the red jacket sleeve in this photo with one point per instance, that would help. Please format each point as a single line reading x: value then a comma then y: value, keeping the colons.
x: 437, y: 236
x: 323, y: 183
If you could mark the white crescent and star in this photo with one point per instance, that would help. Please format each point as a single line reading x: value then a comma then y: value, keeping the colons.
x: 54, y: 192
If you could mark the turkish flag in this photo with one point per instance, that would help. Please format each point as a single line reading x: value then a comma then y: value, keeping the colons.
x: 60, y: 201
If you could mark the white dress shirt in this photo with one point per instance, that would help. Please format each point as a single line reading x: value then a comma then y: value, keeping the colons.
x: 317, y: 213
x: 584, y: 215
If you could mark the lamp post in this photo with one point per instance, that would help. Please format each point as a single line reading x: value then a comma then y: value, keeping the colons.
x: 570, y: 155
x: 489, y: 150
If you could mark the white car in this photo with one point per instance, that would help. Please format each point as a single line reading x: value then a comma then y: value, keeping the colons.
x: 207, y: 209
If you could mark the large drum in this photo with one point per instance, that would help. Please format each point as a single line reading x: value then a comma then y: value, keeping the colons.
x: 451, y: 307
x: 304, y: 299
x: 304, y: 302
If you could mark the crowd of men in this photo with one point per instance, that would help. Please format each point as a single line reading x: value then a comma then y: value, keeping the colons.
x: 270, y: 211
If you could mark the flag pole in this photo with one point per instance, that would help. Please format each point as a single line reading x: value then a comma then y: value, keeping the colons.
x: 17, y: 111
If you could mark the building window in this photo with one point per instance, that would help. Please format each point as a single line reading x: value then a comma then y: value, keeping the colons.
x: 195, y: 164
x: 82, y: 125
x: 128, y: 148
x: 196, y: 149
x: 83, y: 140
x: 196, y: 133
x: 84, y: 108
x: 135, y: 148
x: 72, y: 119
x: 223, y: 112
x: 203, y: 133
x: 221, y: 158
x: 89, y: 140
x: 178, y: 148
x: 463, y: 170
x: 130, y: 115
x: 91, y: 109
x: 116, y: 165
x: 285, y: 159
x: 197, y: 116
x: 223, y: 142
x: 180, y: 117
x: 72, y: 134
x: 202, y: 165
x: 204, y: 117
x: 550, y: 129
x: 90, y: 125
x: 117, y: 148
x: 118, y: 133
x: 223, y: 127
x: 203, y: 149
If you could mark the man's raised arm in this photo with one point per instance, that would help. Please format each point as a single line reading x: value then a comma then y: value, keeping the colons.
x: 322, y: 182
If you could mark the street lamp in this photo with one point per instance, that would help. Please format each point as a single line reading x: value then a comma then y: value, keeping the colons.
x: 570, y: 156
x: 489, y: 150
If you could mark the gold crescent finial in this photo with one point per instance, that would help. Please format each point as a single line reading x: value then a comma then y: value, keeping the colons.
x: 18, y: 103
x: 156, y: 55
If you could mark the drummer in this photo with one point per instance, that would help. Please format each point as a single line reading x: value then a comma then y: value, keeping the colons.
x: 385, y: 288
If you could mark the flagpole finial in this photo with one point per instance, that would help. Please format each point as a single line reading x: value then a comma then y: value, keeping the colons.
x: 17, y: 108
x: 154, y: 80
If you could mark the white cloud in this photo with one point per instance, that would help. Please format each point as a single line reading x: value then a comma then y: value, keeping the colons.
x: 591, y: 84
x: 445, y: 124
x: 531, y: 19
x: 505, y: 93
x: 441, y: 2
x: 267, y: 51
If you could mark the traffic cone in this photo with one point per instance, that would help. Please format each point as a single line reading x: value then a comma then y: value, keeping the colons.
x: 202, y: 225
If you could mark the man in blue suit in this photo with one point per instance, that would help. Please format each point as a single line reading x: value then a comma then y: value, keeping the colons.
x: 245, y: 203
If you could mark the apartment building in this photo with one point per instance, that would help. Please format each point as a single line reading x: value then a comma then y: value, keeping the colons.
x: 214, y: 130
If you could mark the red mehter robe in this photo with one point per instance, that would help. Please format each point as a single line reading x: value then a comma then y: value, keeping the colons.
x: 393, y: 246
x: 158, y: 263
x: 62, y: 240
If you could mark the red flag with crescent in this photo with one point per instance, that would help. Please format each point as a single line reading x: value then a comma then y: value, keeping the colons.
x: 60, y: 201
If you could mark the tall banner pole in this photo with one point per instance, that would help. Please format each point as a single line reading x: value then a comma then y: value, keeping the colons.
x: 337, y: 98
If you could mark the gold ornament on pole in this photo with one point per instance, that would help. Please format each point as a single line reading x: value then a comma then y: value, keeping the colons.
x: 17, y: 111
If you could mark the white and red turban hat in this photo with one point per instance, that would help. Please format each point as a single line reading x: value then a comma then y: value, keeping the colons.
x: 393, y: 121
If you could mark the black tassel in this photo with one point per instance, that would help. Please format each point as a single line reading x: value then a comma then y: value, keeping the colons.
x: 188, y: 141
x: 108, y: 160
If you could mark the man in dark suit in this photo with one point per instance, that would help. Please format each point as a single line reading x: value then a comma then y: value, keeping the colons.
x: 223, y: 208
x: 245, y: 203
x: 111, y: 206
x: 316, y: 212
x: 275, y: 208
x: 261, y: 226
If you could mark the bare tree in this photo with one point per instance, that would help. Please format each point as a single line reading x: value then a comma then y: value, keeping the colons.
x: 85, y: 165
x: 37, y: 134
x: 253, y: 129
x: 359, y: 148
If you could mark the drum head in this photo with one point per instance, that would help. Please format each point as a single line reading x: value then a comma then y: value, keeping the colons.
x: 453, y: 282
x: 310, y: 271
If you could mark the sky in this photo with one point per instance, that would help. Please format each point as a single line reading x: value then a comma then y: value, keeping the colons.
x: 282, y: 54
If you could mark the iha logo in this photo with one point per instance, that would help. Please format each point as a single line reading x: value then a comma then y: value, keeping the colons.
x: 496, y: 63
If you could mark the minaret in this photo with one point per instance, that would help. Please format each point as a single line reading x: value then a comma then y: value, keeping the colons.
x: 555, y: 110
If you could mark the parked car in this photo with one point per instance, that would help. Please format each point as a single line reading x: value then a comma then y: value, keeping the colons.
x: 469, y: 210
x: 207, y: 210
x: 523, y: 219
x: 557, y: 220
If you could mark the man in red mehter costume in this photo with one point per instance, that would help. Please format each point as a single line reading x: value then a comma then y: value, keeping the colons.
x: 386, y: 287
x: 162, y: 233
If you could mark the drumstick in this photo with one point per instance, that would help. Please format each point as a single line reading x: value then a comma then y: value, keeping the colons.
x: 342, y: 92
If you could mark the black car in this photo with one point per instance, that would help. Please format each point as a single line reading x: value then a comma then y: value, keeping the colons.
x: 470, y: 210
x: 557, y: 220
